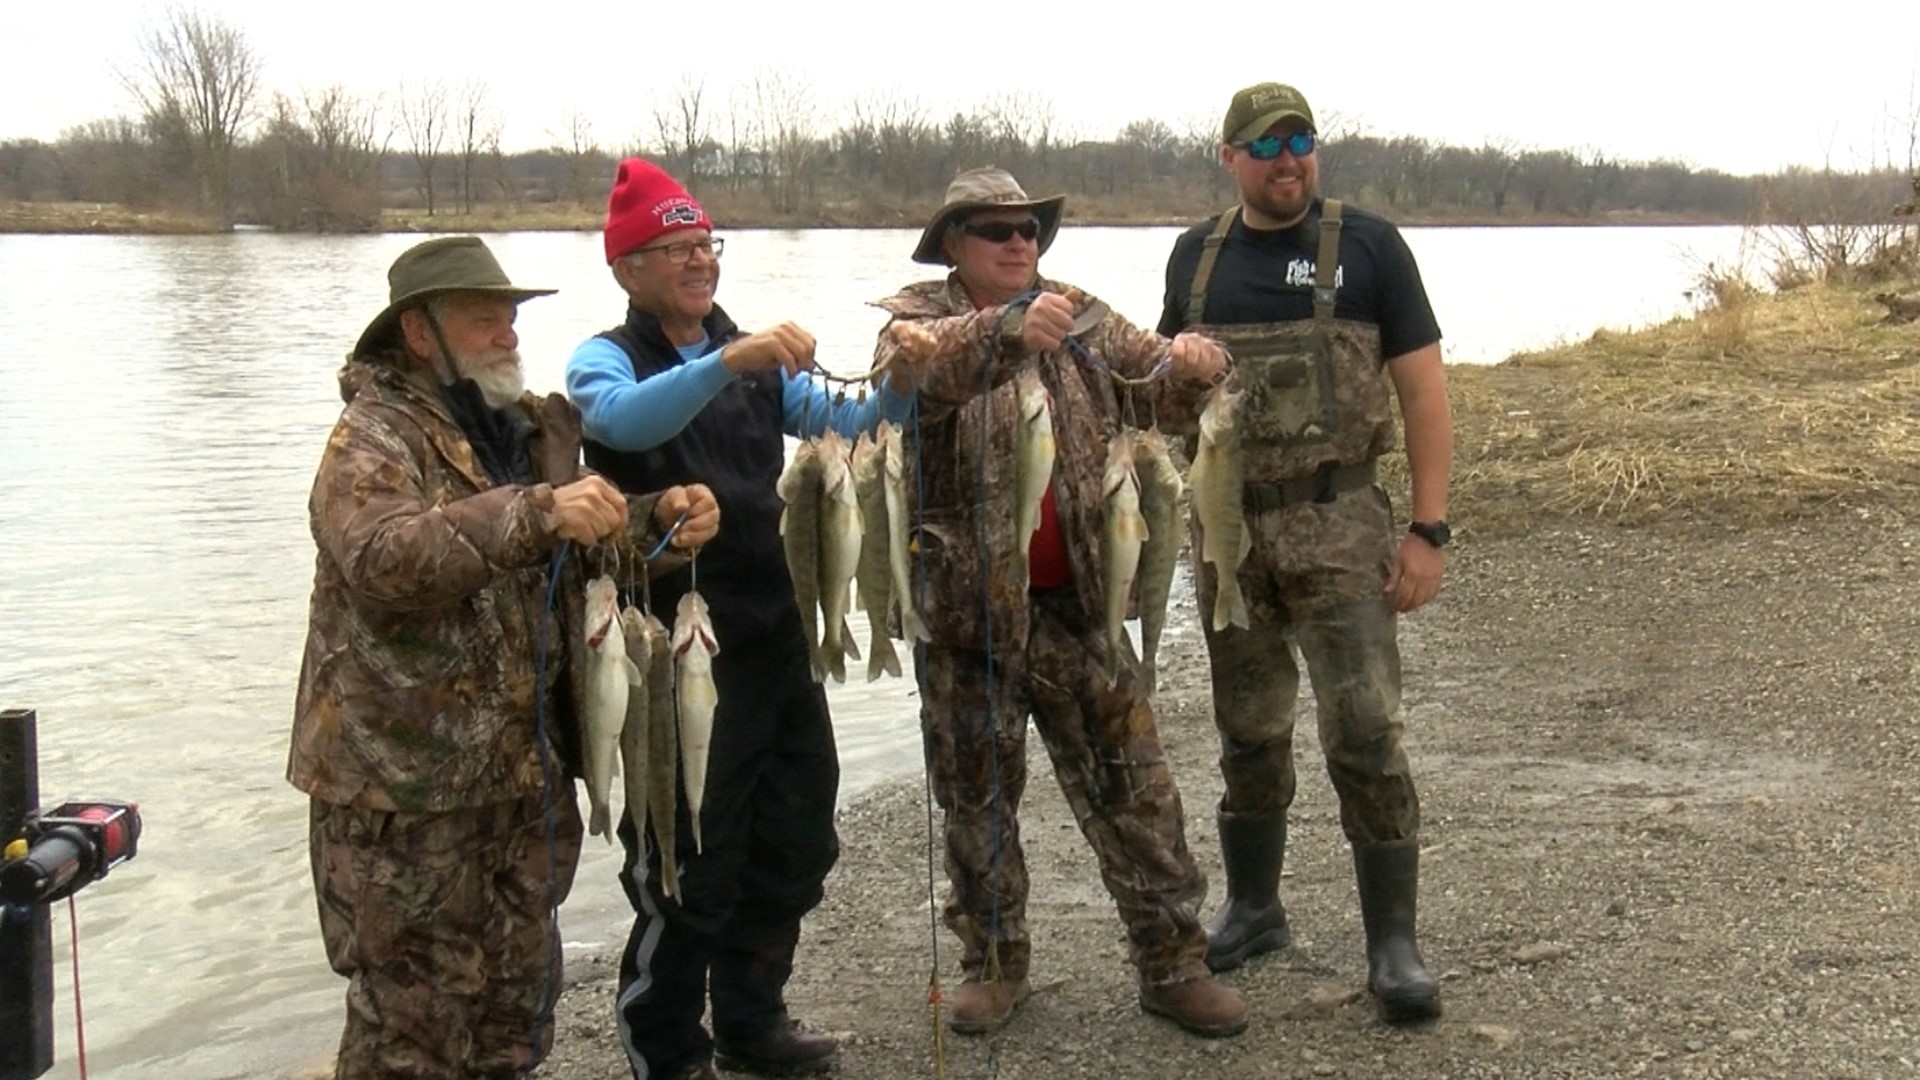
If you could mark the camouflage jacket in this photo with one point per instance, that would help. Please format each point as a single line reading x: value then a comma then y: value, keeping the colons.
x: 417, y: 690
x: 968, y: 434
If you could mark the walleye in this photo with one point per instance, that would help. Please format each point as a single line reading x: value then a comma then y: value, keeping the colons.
x: 839, y: 552
x: 799, y: 486
x: 604, y: 714
x: 1123, y: 534
x: 874, y: 579
x: 1033, y: 462
x: 1160, y: 491
x: 696, y: 697
x: 634, y: 736
x: 663, y: 753
x: 899, y: 551
x: 1216, y: 481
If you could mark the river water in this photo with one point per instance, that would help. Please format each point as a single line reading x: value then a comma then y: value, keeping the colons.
x: 161, y: 412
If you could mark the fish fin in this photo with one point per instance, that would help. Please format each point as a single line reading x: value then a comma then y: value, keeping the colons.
x: 884, y: 659
x: 635, y: 677
x: 597, y: 823
x: 847, y: 640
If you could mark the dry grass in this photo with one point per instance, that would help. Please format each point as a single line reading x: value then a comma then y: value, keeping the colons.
x: 87, y: 217
x: 1761, y: 407
x: 543, y: 217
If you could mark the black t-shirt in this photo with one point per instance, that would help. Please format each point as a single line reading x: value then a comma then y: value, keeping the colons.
x: 1266, y: 275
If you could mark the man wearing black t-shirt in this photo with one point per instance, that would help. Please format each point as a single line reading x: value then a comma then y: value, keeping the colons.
x: 1324, y: 312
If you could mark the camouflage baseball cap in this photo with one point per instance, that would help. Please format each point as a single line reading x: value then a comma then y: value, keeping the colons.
x: 988, y: 188
x: 1259, y: 107
x: 443, y: 265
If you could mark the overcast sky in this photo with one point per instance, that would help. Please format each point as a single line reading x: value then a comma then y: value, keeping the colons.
x: 1711, y: 84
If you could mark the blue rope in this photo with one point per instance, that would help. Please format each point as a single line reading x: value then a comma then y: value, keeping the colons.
x: 986, y: 606
x: 661, y: 547
x: 547, y: 997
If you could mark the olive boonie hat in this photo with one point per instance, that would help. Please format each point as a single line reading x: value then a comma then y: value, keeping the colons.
x: 443, y: 265
x: 1259, y: 107
x: 989, y: 188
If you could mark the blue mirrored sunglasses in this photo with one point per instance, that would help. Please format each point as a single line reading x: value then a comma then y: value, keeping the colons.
x: 1268, y: 147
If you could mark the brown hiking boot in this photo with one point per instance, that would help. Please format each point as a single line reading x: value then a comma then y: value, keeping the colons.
x: 980, y: 1007
x: 1201, y: 1005
x: 788, y: 1049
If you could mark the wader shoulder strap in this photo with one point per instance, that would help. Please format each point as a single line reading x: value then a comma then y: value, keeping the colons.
x: 1203, y: 273
x: 1326, y: 269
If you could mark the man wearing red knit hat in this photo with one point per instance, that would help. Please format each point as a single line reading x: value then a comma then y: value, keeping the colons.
x: 677, y: 390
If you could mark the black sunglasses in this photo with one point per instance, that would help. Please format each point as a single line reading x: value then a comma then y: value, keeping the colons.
x: 1268, y: 147
x: 999, y: 232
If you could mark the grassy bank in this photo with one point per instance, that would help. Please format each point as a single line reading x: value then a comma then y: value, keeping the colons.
x: 1760, y: 407
x: 80, y: 218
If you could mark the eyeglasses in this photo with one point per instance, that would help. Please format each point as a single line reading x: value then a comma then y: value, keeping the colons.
x: 1268, y: 147
x: 999, y: 232
x: 682, y: 250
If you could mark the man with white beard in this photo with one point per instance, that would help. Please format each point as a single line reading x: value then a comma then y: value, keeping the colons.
x: 435, y: 728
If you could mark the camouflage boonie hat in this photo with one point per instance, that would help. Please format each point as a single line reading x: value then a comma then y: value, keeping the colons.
x: 443, y: 265
x: 988, y: 188
x: 1259, y: 107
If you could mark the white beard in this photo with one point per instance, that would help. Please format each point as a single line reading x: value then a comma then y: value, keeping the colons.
x: 501, y: 383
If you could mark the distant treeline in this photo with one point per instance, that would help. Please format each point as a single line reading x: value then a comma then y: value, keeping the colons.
x: 205, y: 139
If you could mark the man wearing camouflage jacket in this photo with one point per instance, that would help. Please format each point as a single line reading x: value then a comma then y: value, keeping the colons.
x: 434, y: 725
x: 1003, y: 648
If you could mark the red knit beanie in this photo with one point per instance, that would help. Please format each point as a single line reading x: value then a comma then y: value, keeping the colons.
x: 646, y: 203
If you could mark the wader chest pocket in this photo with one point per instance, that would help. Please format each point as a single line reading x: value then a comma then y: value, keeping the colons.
x: 1293, y: 404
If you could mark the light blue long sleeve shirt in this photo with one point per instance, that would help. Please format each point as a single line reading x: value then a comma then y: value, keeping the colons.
x: 630, y: 415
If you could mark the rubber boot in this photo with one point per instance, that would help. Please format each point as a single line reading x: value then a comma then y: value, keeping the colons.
x: 1253, y: 847
x: 1389, y: 879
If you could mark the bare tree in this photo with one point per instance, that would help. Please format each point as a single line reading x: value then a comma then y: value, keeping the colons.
x: 904, y: 139
x: 423, y: 117
x: 576, y: 145
x: 474, y: 126
x: 789, y: 122
x: 681, y: 125
x: 322, y: 158
x: 196, y: 84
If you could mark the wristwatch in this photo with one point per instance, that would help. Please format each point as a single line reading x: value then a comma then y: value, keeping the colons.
x: 1433, y: 532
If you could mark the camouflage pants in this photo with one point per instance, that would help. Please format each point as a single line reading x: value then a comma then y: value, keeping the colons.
x: 1106, y: 754
x: 1313, y: 582
x: 443, y: 925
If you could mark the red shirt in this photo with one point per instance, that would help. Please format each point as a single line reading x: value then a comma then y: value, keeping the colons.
x: 1047, y: 565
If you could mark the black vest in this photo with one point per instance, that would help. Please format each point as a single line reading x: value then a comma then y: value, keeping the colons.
x: 735, y: 446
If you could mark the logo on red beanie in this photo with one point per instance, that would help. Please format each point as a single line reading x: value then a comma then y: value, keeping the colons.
x: 645, y: 204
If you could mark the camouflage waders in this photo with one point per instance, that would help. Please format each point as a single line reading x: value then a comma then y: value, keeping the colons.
x: 1317, y: 411
x: 1107, y: 756
x: 443, y: 924
x: 1315, y: 416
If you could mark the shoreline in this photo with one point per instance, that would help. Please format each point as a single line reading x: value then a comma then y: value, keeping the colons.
x: 106, y: 219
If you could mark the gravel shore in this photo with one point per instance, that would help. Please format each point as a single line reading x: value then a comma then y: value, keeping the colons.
x: 1671, y: 786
